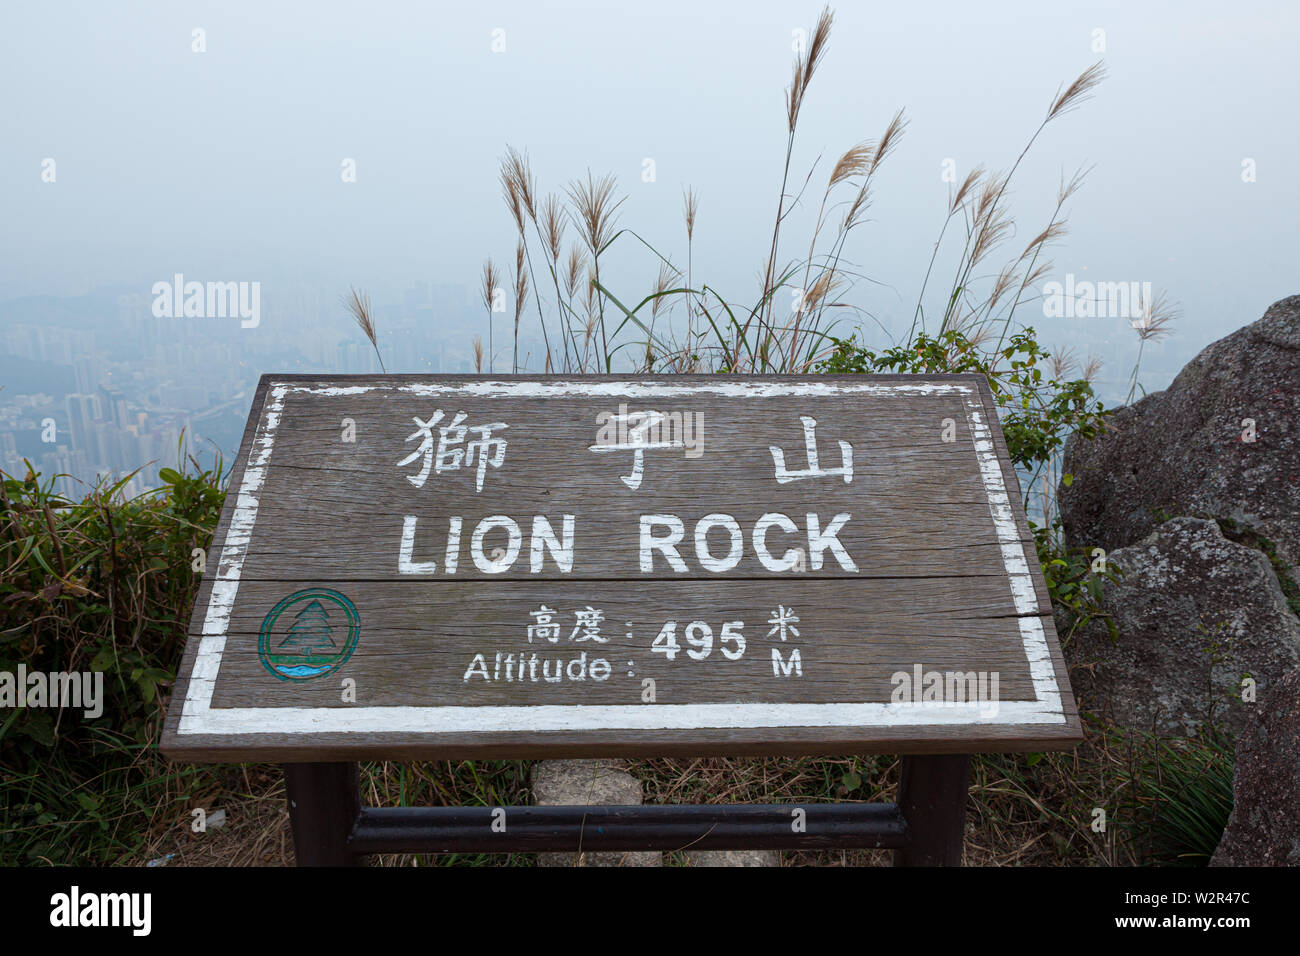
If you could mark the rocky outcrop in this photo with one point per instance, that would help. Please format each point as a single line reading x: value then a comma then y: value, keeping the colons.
x: 1196, y: 613
x: 1194, y: 493
x: 1222, y: 442
x: 1264, y: 829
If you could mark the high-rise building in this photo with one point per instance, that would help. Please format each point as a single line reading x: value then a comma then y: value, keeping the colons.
x: 87, y: 372
x: 83, y: 411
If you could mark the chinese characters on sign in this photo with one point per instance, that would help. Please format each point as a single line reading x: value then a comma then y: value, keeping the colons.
x: 531, y: 667
x: 587, y: 627
x: 814, y: 469
x: 447, y: 455
x: 443, y: 448
x: 642, y: 432
x: 659, y: 535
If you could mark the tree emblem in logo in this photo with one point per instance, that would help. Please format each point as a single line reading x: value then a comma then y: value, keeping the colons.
x: 309, y: 634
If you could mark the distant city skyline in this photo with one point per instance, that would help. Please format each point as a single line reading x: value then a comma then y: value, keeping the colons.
x: 123, y: 400
x: 122, y: 403
x: 309, y: 148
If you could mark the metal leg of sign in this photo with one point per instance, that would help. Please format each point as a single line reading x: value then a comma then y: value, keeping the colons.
x: 324, y: 804
x: 932, y: 798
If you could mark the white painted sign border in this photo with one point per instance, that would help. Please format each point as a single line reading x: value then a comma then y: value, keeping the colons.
x: 199, y: 717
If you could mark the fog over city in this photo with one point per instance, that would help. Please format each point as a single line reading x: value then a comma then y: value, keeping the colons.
x: 279, y: 155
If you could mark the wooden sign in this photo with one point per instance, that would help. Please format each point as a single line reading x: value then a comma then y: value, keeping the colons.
x: 466, y: 566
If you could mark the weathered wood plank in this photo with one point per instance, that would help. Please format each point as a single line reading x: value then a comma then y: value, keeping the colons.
x: 424, y: 651
x: 922, y: 558
x: 1060, y: 672
x: 268, y: 745
x: 915, y: 505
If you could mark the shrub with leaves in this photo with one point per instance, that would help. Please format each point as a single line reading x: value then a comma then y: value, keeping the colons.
x: 97, y: 585
x: 1039, y: 407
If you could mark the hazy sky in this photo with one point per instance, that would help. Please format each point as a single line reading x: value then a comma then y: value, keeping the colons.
x: 226, y: 164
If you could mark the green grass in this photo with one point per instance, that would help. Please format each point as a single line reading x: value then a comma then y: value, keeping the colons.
x: 1181, y: 797
x: 101, y: 584
x: 108, y: 584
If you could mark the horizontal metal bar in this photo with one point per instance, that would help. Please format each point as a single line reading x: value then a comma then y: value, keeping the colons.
x: 655, y: 827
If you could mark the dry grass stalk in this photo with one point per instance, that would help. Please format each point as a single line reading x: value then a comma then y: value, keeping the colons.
x: 859, y: 164
x: 553, y: 223
x: 577, y: 260
x: 1078, y: 91
x: 667, y: 276
x: 964, y: 190
x: 1156, y: 317
x: 988, y: 217
x: 1063, y: 361
x: 510, y: 192
x: 690, y: 205
x: 974, y: 305
x: 521, y: 296
x: 1040, y: 272
x: 893, y: 132
x: 989, y: 233
x: 596, y: 210
x: 491, y: 282
x: 519, y: 187
x: 589, y: 303
x: 358, y: 304
x: 856, y: 161
x: 825, y: 283
x: 1069, y: 187
x: 979, y: 335
x: 1055, y: 230
x: 517, y: 178
x: 805, y: 65
x: 1005, y: 280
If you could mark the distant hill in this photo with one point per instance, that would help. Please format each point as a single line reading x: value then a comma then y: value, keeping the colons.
x: 72, y: 312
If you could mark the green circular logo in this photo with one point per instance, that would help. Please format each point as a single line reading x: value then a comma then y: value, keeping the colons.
x: 309, y: 634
